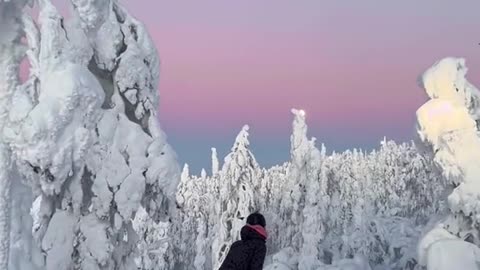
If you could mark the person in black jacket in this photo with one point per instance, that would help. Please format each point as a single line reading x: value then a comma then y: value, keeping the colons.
x: 248, y: 253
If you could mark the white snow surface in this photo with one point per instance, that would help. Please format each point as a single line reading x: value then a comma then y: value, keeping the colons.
x: 59, y: 242
x: 440, y: 250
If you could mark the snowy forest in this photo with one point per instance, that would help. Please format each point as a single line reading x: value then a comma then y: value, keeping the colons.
x: 89, y: 181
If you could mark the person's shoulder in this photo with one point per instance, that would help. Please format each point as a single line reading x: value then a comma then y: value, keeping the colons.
x: 259, y: 246
x: 237, y: 243
x: 257, y: 242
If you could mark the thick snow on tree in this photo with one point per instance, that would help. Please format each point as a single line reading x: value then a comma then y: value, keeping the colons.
x: 183, y: 192
x: 83, y: 132
x: 155, y: 242
x: 201, y: 243
x: 313, y: 227
x: 215, y: 163
x: 447, y: 125
x: 24, y: 252
x: 188, y: 201
x: 273, y: 183
x: 237, y: 200
x: 11, y: 53
x: 294, y: 195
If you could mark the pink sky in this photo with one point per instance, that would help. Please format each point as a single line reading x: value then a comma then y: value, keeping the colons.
x: 352, y: 66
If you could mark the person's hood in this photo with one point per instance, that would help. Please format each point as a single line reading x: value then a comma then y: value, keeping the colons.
x: 253, y: 232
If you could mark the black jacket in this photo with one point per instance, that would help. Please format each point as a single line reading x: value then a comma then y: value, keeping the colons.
x: 248, y: 253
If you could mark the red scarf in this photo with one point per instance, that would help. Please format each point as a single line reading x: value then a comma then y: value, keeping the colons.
x: 259, y: 229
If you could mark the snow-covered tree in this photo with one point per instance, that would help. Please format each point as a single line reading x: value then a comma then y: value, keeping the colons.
x: 189, y: 195
x: 215, y: 163
x: 272, y: 184
x: 294, y: 195
x: 83, y: 132
x: 182, y: 189
x: 447, y: 125
x: 11, y: 53
x: 201, y: 243
x: 237, y: 201
x: 192, y: 224
x: 316, y: 203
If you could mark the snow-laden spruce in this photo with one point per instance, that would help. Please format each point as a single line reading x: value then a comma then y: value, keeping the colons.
x: 215, y: 163
x: 237, y: 199
x: 83, y: 133
x: 447, y: 125
x: 315, y: 210
x: 294, y: 196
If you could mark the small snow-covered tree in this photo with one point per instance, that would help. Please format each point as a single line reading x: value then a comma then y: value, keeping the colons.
x: 238, y: 176
x: 24, y: 253
x: 215, y: 163
x: 313, y: 227
x: 186, y: 224
x: 192, y: 224
x: 182, y: 190
x: 294, y: 195
x: 272, y: 184
x: 201, y: 243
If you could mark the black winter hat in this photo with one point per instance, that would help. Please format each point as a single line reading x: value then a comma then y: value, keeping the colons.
x: 256, y: 219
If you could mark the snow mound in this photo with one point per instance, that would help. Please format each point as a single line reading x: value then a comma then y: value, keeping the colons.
x: 440, y: 250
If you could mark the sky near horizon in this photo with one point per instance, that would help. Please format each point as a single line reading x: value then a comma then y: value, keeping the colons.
x: 351, y: 65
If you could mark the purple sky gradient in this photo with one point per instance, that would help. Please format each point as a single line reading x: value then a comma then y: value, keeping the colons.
x: 352, y: 65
